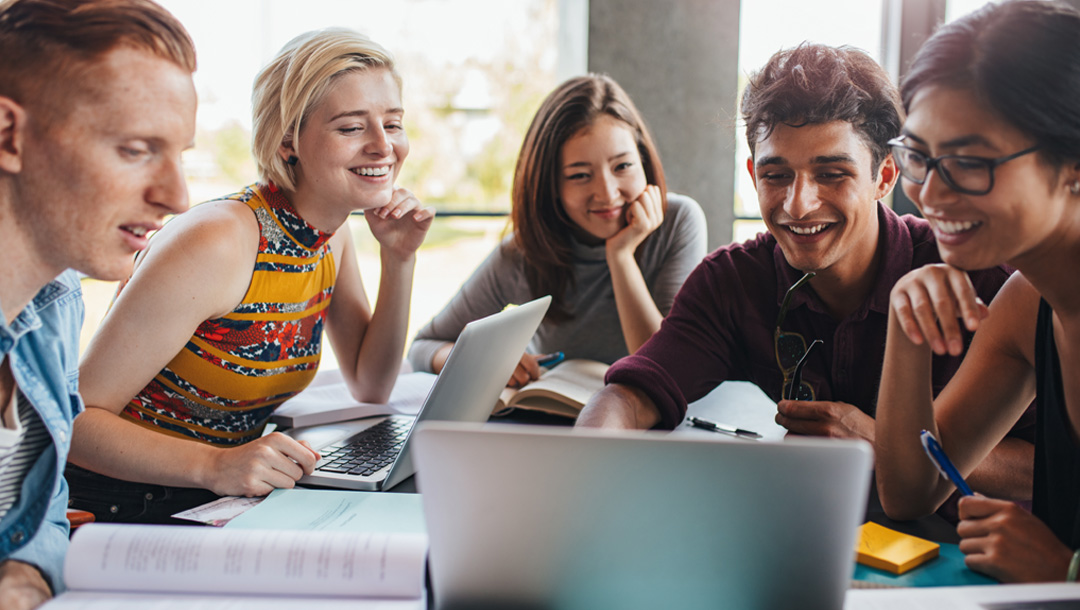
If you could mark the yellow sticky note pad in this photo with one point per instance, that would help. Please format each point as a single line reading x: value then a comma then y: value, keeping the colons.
x: 885, y: 549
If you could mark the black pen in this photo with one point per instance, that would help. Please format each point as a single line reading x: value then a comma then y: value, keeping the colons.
x: 697, y: 422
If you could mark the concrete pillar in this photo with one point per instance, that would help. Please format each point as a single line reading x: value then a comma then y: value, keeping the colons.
x: 907, y: 24
x: 678, y: 60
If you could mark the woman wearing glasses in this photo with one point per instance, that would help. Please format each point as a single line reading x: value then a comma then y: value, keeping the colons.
x: 593, y: 226
x: 990, y: 153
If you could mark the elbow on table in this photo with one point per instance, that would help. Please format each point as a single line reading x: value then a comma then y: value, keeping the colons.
x: 900, y: 506
x: 370, y: 393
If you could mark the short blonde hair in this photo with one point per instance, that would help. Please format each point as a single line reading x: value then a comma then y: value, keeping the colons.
x: 295, y: 82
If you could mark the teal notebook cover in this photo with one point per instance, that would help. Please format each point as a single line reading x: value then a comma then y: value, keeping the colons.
x: 331, y: 509
x: 947, y: 570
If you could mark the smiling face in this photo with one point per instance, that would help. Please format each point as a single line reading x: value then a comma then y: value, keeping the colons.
x: 352, y: 145
x: 1026, y: 205
x: 817, y: 195
x: 601, y: 174
x: 102, y: 168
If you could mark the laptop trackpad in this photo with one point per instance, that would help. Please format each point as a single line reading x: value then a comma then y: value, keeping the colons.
x: 326, y: 434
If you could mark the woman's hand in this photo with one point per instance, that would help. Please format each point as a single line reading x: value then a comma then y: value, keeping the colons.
x: 1005, y: 541
x: 645, y: 215
x: 527, y: 370
x: 927, y: 303
x: 401, y: 225
x: 274, y: 461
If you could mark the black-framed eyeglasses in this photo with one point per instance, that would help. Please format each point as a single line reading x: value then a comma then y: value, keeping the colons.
x: 964, y: 174
x: 791, y: 350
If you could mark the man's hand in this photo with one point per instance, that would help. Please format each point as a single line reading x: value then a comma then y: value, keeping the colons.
x: 272, y: 462
x: 22, y: 586
x: 1008, y: 543
x: 824, y: 418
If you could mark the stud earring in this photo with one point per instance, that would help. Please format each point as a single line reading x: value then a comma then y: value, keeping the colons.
x: 292, y: 160
x: 1074, y: 188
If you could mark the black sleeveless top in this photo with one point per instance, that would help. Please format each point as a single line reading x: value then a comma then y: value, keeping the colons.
x: 1057, y: 454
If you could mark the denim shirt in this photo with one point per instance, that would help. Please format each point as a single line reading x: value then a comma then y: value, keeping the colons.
x: 42, y: 347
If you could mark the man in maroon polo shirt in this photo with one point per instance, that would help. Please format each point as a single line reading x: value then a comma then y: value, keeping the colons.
x: 817, y: 121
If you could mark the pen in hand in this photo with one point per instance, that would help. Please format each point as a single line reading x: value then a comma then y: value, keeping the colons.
x: 550, y: 359
x: 705, y: 424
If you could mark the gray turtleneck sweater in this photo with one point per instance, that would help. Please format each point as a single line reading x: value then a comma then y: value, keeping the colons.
x: 667, y: 257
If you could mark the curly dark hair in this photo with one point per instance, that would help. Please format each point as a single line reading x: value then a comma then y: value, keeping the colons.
x: 813, y: 84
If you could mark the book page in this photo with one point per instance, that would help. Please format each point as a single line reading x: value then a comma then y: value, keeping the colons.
x: 82, y: 600
x: 572, y: 382
x: 160, y: 558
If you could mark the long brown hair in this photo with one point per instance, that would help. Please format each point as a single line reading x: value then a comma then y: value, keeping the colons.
x: 542, y: 229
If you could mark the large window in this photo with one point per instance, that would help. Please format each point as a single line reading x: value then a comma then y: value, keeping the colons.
x: 768, y: 26
x: 474, y: 73
x: 959, y: 8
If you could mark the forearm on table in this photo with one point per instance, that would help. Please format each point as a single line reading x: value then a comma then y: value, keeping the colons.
x: 105, y: 443
x: 907, y: 481
x: 378, y: 361
x: 619, y: 406
x: 639, y: 316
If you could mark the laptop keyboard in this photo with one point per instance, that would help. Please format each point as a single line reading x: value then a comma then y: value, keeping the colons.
x: 367, y: 451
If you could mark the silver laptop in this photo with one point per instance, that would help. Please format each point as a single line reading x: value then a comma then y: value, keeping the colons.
x: 375, y: 453
x: 535, y: 517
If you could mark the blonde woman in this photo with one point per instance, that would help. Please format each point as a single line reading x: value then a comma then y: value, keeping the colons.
x: 223, y: 317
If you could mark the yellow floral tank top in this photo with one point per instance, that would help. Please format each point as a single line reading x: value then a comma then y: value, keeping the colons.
x: 235, y: 370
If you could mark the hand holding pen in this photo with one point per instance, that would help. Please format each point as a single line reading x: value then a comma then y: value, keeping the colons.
x: 550, y: 360
x: 528, y: 367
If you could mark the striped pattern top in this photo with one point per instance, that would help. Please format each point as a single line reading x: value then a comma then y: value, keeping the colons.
x: 20, y: 447
x: 235, y: 370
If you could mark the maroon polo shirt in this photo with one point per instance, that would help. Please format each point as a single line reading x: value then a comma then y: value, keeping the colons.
x: 721, y: 326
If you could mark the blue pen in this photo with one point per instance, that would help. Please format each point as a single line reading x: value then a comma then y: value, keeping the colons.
x: 943, y: 463
x: 551, y: 359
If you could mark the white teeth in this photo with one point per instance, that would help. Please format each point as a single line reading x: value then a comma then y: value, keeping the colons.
x: 136, y: 231
x: 372, y: 171
x: 808, y: 230
x: 952, y: 227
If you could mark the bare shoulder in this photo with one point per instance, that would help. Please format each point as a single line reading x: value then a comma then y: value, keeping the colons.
x: 1013, y: 317
x: 223, y: 226
x: 213, y: 247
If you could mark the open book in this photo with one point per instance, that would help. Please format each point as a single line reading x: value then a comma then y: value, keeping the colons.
x: 327, y: 400
x: 109, y: 565
x: 563, y: 390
